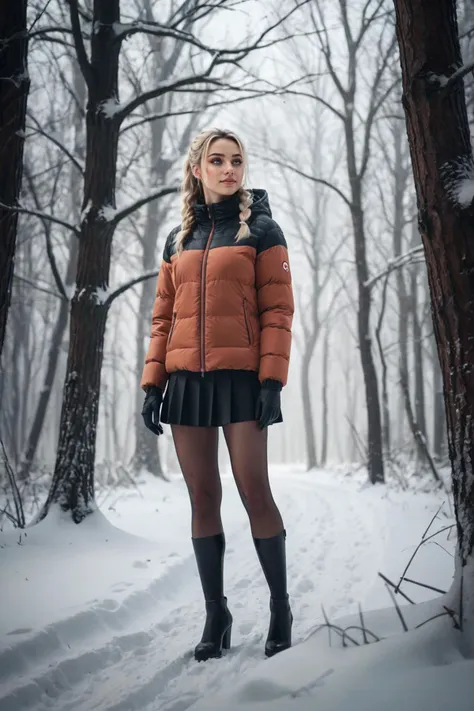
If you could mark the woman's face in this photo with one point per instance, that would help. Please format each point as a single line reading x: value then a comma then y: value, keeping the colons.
x: 221, y: 171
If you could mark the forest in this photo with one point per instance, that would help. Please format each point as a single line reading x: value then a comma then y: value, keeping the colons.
x: 357, y: 118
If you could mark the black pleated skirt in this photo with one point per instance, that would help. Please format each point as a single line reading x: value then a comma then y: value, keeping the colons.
x: 217, y: 398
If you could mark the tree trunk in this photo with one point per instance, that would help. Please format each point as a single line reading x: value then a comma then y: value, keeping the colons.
x: 418, y: 355
x: 386, y: 439
x: 14, y: 87
x: 311, y: 456
x: 146, y: 443
x: 442, y: 158
x: 418, y: 359
x: 324, y: 399
x: 374, y: 422
x: 375, y: 463
x: 439, y: 415
x: 73, y: 481
x: 397, y: 247
x: 61, y: 323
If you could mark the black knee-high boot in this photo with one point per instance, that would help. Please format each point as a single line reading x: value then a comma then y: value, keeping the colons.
x: 272, y: 555
x: 209, y: 552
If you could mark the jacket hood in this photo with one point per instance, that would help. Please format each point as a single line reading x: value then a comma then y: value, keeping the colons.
x: 229, y: 208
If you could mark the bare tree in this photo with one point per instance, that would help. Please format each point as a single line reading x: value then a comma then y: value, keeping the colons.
x: 14, y: 87
x: 62, y: 319
x: 443, y: 167
x: 375, y: 26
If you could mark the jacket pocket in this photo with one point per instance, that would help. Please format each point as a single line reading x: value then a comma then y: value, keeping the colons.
x: 173, y: 321
x: 247, y: 322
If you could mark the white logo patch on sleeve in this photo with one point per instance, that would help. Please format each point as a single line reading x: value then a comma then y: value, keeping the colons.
x: 286, y: 267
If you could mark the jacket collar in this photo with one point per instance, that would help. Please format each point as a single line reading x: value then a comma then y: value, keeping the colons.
x: 218, y: 211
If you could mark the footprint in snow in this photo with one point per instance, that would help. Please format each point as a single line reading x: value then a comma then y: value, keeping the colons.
x: 140, y: 564
x: 21, y: 630
x: 305, y: 586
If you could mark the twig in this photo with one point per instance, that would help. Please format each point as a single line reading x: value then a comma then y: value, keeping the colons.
x: 19, y: 522
x: 452, y: 614
x: 435, y: 617
x: 432, y: 520
x: 339, y: 630
x: 425, y: 585
x: 362, y: 624
x: 423, y: 540
x: 397, y: 607
x: 400, y: 592
x: 364, y: 631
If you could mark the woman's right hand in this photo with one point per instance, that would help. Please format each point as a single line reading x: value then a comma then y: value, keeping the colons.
x: 151, y: 409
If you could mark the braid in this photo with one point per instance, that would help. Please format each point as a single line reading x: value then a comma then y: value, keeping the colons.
x: 245, y: 203
x: 189, y: 196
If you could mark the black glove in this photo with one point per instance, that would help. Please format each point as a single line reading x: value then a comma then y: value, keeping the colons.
x: 268, y: 403
x: 151, y: 409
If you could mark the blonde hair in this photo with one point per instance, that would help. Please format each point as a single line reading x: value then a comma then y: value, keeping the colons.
x: 191, y: 187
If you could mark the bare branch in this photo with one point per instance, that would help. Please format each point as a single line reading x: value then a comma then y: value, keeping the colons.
x: 47, y: 229
x: 410, y: 257
x: 82, y: 57
x: 57, y: 143
x: 122, y: 214
x: 321, y: 181
x: 42, y: 216
x: 447, y: 83
x: 37, y: 287
x: 128, y: 285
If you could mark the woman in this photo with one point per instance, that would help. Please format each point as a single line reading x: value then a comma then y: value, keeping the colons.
x: 220, y: 341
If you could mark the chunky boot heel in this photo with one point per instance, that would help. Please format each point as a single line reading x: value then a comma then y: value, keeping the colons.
x: 226, y: 638
x: 217, y: 631
x: 279, y: 633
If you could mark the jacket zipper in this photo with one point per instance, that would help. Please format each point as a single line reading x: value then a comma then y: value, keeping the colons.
x: 203, y: 296
x: 247, y: 323
x: 173, y: 321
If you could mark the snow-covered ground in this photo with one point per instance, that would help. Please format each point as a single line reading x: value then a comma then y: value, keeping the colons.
x: 104, y: 616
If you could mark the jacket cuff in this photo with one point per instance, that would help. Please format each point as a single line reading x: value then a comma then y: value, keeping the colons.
x: 271, y: 384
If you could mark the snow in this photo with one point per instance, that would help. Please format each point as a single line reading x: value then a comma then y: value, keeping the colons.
x: 111, y: 107
x: 101, y: 294
x: 86, y: 211
x: 465, y: 192
x: 458, y: 178
x: 108, y: 213
x: 104, y: 616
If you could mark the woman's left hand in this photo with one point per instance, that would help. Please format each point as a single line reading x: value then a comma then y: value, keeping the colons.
x: 268, y: 403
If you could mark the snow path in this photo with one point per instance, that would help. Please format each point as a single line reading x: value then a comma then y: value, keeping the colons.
x: 138, y: 655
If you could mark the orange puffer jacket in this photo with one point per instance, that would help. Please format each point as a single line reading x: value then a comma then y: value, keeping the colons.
x: 223, y: 304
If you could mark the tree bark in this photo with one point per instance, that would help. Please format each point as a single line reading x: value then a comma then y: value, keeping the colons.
x: 442, y: 158
x: 73, y: 480
x: 14, y: 87
x: 439, y: 415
